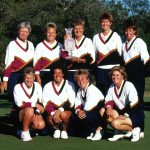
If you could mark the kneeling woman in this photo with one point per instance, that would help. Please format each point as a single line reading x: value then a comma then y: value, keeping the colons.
x: 26, y: 95
x: 88, y: 99
x: 58, y: 99
x: 122, y: 108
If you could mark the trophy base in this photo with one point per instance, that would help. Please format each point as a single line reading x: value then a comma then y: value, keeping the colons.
x: 68, y: 57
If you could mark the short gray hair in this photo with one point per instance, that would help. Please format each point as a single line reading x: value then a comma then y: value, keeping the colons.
x: 24, y: 24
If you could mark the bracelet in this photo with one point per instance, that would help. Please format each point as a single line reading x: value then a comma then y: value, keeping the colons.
x: 126, y: 115
x: 37, y: 112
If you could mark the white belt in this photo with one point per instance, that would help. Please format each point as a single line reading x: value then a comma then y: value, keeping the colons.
x: 45, y: 70
x: 107, y: 66
x: 72, y: 70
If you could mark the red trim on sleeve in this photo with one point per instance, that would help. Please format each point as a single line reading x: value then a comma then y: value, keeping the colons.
x: 78, y: 107
x: 109, y: 103
x: 42, y: 63
x: 64, y: 54
x: 25, y: 105
x: 50, y: 107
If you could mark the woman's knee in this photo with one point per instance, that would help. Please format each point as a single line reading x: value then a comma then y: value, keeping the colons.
x: 102, y: 111
x: 30, y: 111
x: 39, y: 124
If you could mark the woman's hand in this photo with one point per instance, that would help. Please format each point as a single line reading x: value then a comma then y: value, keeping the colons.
x: 3, y: 86
x: 122, y: 117
x: 56, y: 117
x: 81, y: 114
x: 78, y: 60
x: 74, y: 59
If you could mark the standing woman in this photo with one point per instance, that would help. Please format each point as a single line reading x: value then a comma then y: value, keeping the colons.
x: 108, y: 47
x: 19, y: 54
x: 136, y: 57
x: 83, y: 55
x: 47, y: 53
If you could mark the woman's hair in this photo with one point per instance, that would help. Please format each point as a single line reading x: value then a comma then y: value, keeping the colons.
x: 50, y: 25
x: 79, y: 22
x: 28, y: 70
x: 58, y: 65
x: 106, y: 16
x: 24, y: 24
x: 119, y: 69
x: 130, y: 23
x: 82, y: 72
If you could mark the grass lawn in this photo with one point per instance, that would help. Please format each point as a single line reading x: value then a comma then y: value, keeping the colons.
x: 8, y: 140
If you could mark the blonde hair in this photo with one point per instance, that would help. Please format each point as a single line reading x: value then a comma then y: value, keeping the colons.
x: 119, y: 69
x: 82, y: 72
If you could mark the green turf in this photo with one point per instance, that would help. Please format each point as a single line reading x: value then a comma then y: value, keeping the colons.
x: 8, y: 141
x: 147, y: 84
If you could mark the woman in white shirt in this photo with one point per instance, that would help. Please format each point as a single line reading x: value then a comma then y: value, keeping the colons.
x: 136, y: 58
x: 122, y: 107
x: 27, y: 96
x: 47, y: 53
x: 58, y: 100
x: 19, y: 55
x: 83, y: 54
x: 107, y: 45
x: 87, y: 120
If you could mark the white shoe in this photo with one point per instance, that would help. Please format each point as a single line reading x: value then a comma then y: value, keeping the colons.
x: 25, y: 135
x: 135, y: 134
x: 98, y: 135
x: 128, y: 134
x: 90, y: 136
x: 64, y: 135
x: 141, y: 135
x: 118, y: 135
x: 56, y: 134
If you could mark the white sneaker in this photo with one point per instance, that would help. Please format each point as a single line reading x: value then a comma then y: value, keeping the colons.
x: 141, y: 134
x: 118, y: 135
x: 98, y: 135
x: 90, y: 136
x: 128, y: 134
x: 56, y: 134
x: 25, y: 135
x: 64, y: 135
x: 135, y: 134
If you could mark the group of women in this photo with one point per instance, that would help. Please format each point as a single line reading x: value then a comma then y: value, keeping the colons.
x: 70, y: 100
